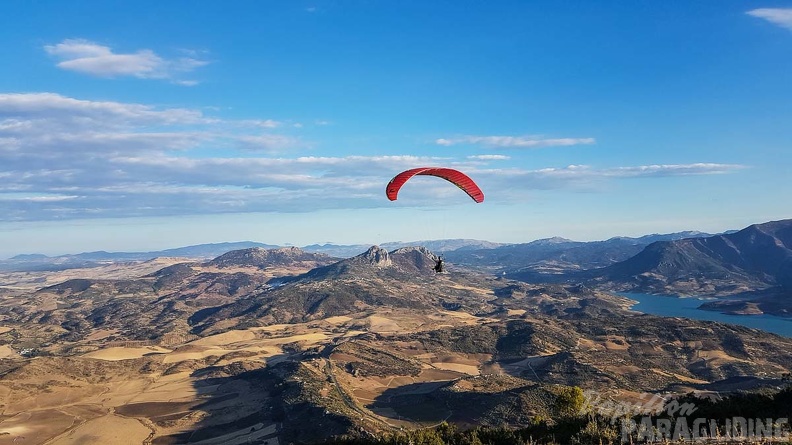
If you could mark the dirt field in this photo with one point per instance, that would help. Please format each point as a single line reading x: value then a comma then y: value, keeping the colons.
x: 383, y: 325
x: 105, y: 430
x: 120, y: 353
x: 7, y: 352
x: 34, y: 426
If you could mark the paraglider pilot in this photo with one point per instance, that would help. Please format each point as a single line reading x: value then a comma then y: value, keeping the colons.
x: 439, y: 266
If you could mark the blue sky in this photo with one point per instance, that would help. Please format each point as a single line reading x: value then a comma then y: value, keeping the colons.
x: 147, y: 125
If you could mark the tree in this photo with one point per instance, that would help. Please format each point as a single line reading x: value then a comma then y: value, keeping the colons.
x: 570, y: 401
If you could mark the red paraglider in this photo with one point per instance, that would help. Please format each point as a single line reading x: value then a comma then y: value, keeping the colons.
x: 456, y: 177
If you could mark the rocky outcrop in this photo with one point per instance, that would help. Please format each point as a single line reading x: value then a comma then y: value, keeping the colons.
x: 376, y: 256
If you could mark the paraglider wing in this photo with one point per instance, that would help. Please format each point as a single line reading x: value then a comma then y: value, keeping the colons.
x: 456, y: 177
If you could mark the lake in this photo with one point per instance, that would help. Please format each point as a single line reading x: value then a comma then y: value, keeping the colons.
x: 687, y: 307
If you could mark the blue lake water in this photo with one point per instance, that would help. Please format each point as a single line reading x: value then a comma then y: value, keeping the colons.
x: 688, y: 308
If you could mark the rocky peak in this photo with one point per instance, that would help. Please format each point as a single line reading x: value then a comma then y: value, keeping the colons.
x: 288, y: 250
x: 377, y: 256
x: 415, y: 259
x: 412, y: 250
x: 377, y: 262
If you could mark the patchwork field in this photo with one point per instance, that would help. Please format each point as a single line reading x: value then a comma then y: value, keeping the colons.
x: 109, y: 399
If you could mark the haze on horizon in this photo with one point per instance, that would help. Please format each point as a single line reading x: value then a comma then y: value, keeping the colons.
x: 148, y: 126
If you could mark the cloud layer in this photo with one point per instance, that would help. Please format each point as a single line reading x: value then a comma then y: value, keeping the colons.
x: 62, y: 157
x: 514, y: 141
x: 778, y: 16
x: 98, y: 60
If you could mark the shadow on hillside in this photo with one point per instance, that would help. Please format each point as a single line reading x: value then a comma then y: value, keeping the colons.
x: 243, y: 403
x: 415, y: 402
x: 774, y: 300
x: 433, y: 402
x: 234, y: 406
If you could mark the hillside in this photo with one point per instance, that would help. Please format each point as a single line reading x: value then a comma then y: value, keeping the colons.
x: 145, y: 306
x: 402, y: 278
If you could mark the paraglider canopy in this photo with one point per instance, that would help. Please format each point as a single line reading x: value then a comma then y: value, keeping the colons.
x: 456, y: 177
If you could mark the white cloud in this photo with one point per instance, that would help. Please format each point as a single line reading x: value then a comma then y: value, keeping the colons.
x: 98, y: 60
x: 489, y: 157
x: 587, y: 177
x: 77, y: 49
x: 62, y: 157
x: 778, y: 16
x: 673, y: 170
x: 35, y: 198
x: 513, y: 141
x: 588, y: 172
x: 46, y: 128
x: 144, y: 64
x: 269, y: 143
x: 269, y: 123
x: 22, y: 107
x: 14, y: 125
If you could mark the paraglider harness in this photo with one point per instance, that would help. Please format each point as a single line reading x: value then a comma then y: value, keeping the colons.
x: 439, y: 268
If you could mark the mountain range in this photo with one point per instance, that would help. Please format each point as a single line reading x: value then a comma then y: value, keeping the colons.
x: 33, y: 262
x: 758, y: 255
x: 753, y: 267
x: 283, y: 345
x: 40, y: 262
x: 467, y: 251
x: 555, y: 255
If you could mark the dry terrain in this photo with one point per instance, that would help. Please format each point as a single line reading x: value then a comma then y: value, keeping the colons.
x: 163, y: 352
x: 118, y: 271
x: 128, y: 394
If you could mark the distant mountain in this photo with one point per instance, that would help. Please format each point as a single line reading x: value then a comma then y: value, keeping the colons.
x: 546, y: 255
x: 649, y: 239
x: 213, y: 250
x: 754, y: 265
x: 29, y: 257
x: 197, y: 251
x: 755, y: 258
x: 38, y: 262
x: 447, y: 245
x: 337, y: 250
x: 558, y: 255
x: 284, y: 256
